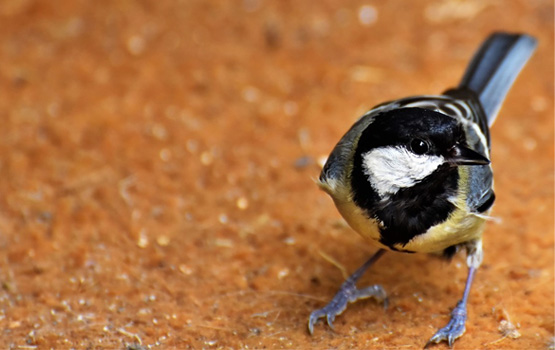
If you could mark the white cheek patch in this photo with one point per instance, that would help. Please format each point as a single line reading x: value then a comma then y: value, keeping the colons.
x: 391, y: 168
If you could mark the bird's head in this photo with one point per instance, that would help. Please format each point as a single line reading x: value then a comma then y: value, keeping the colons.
x: 402, y: 147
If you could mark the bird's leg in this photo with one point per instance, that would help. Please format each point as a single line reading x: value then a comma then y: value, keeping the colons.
x: 456, y: 326
x: 348, y: 293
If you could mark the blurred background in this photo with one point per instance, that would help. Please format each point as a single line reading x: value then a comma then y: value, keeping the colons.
x: 158, y: 162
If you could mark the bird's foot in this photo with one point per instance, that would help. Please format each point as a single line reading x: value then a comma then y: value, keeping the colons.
x: 454, y: 329
x: 348, y: 293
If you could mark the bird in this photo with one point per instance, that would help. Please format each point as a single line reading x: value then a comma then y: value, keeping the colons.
x: 414, y: 175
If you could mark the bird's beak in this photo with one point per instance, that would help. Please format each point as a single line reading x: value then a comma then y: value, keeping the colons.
x: 460, y: 155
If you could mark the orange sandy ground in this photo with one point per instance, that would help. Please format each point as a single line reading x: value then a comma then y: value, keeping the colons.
x: 158, y: 159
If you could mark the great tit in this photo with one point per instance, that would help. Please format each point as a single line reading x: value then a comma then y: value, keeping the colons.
x: 413, y: 175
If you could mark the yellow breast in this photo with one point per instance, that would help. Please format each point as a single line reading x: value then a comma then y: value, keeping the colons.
x: 461, y: 225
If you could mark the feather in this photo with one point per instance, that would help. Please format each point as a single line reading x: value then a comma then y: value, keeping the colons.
x: 495, y: 67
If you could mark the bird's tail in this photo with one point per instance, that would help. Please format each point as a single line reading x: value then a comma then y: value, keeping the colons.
x: 494, y: 68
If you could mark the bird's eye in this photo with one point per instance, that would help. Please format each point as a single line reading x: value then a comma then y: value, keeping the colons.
x: 419, y: 146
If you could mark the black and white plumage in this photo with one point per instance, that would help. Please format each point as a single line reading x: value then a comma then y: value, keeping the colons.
x: 413, y: 175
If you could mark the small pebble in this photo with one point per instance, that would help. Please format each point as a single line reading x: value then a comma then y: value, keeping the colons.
x: 289, y: 241
x: 192, y: 146
x: 206, y: 158
x: 303, y: 162
x: 367, y: 15
x: 283, y: 273
x: 223, y: 219
x: 186, y: 270
x: 159, y: 132
x: 250, y: 94
x: 165, y: 154
x: 163, y: 241
x: 539, y: 103
x: 290, y: 108
x: 136, y: 45
x: 142, y: 242
x: 242, y: 203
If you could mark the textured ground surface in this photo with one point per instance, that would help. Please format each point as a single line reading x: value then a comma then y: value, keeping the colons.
x: 158, y: 158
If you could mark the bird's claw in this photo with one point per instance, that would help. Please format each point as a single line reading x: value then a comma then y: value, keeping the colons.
x: 347, y: 294
x: 335, y: 307
x: 454, y: 329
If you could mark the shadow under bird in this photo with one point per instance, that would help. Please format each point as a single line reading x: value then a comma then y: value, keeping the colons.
x: 413, y: 175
